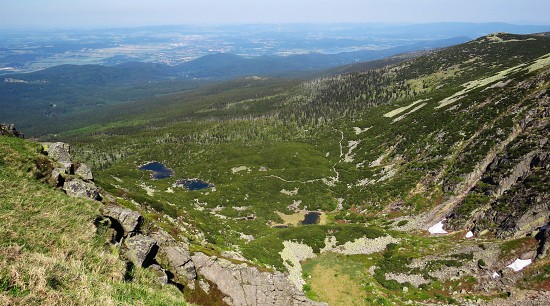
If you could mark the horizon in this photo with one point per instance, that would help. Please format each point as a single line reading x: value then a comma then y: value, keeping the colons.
x: 101, y: 14
x: 373, y: 25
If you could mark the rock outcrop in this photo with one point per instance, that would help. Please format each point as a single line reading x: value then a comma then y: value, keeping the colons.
x: 245, y: 285
x: 79, y: 182
x: 128, y: 219
x: 141, y: 250
x: 179, y: 260
x: 512, y: 197
x: 81, y: 189
x: 9, y: 130
x: 58, y: 151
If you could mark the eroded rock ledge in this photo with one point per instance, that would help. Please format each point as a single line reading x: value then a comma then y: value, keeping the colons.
x: 245, y: 285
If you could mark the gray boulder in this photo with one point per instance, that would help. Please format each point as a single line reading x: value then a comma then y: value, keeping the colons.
x: 84, y: 172
x: 59, y: 151
x: 129, y: 220
x: 81, y: 189
x: 141, y: 250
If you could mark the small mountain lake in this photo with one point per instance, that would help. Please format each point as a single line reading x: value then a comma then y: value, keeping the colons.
x: 311, y: 217
x: 159, y: 170
x: 192, y: 184
x: 301, y: 217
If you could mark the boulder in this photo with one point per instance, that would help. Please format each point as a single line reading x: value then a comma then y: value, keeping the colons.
x: 84, y: 172
x: 81, y: 189
x: 141, y: 250
x: 58, y: 151
x: 128, y: 219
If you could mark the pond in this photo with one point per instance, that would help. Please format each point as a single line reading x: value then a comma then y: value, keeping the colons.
x: 159, y: 170
x: 311, y: 217
x: 192, y: 184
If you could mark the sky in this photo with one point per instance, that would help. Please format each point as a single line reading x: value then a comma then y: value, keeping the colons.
x: 129, y: 13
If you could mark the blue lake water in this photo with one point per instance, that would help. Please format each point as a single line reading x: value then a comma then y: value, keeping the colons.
x: 193, y: 184
x: 159, y: 170
x: 311, y: 218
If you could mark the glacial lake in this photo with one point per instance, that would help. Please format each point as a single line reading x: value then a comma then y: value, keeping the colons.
x: 192, y: 184
x: 311, y: 217
x: 159, y: 170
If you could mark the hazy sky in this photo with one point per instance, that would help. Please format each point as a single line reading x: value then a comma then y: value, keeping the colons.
x: 108, y: 13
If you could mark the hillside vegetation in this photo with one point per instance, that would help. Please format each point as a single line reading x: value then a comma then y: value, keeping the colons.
x: 457, y: 136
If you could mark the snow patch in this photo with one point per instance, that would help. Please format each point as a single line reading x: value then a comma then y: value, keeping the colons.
x: 437, y: 228
x: 519, y: 264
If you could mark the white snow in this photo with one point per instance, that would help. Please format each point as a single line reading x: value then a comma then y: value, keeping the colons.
x: 496, y: 275
x: 519, y: 264
x: 437, y: 228
x: 469, y: 234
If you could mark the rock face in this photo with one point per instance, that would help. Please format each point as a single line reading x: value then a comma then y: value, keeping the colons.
x: 141, y: 250
x: 179, y: 261
x: 244, y: 285
x: 128, y: 219
x: 512, y: 196
x: 9, y: 130
x: 81, y: 189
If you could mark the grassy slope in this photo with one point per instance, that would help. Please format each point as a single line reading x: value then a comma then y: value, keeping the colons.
x: 49, y: 251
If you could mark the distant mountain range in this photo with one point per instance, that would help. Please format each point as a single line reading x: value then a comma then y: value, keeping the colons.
x: 217, y: 66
